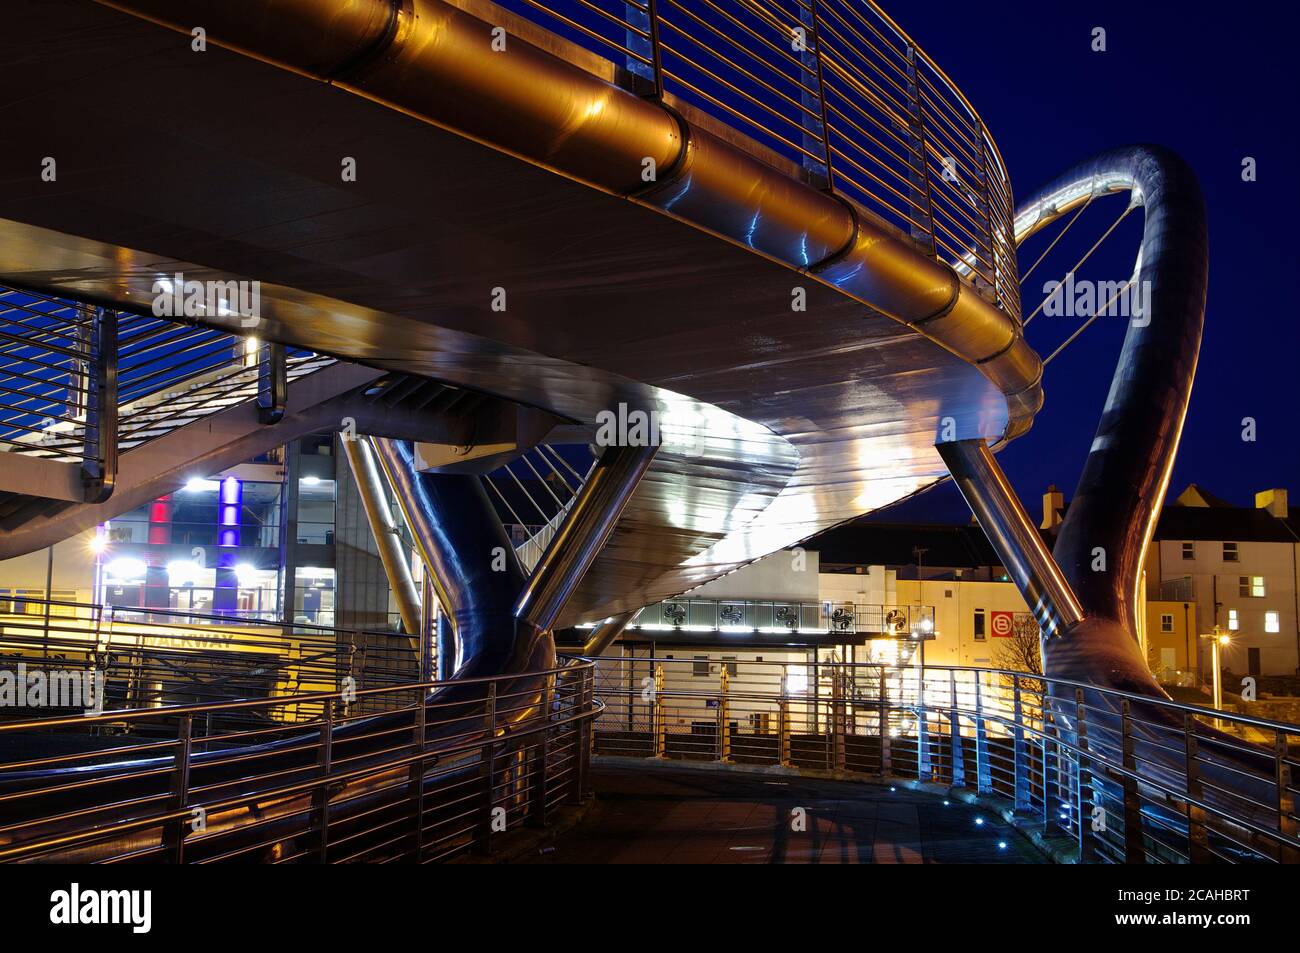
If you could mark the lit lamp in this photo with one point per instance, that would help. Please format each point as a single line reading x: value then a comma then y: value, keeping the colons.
x: 1218, y: 639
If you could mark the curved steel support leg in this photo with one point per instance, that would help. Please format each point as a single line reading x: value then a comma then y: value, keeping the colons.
x: 472, y: 563
x: 1012, y: 535
x: 604, y: 634
x: 1112, y: 516
x: 370, y: 487
x: 583, y: 533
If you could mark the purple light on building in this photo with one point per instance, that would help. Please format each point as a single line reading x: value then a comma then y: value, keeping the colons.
x: 226, y: 596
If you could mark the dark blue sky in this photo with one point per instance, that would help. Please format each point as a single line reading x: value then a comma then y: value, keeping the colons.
x: 1215, y: 83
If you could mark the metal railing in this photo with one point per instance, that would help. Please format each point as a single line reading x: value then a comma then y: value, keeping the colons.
x: 1117, y: 777
x: 155, y: 657
x: 69, y: 371
x: 775, y: 616
x: 433, y: 778
x: 834, y: 87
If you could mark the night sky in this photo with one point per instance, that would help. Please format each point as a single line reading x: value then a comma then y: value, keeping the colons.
x: 1213, y: 82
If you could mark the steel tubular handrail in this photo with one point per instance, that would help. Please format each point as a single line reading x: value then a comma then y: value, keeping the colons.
x: 827, y: 85
x: 1178, y: 791
x: 351, y: 788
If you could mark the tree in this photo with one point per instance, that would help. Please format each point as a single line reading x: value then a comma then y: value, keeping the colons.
x: 1021, y: 652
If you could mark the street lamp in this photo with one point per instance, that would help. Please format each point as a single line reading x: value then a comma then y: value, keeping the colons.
x: 1218, y: 638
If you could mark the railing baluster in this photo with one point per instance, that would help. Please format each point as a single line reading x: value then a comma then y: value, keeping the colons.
x: 1286, y: 822
x: 487, y: 773
x: 983, y: 773
x: 176, y: 829
x: 1085, y: 796
x: 1023, y: 792
x: 321, y: 796
x: 1198, y: 844
x: 958, y: 769
x: 1134, y: 842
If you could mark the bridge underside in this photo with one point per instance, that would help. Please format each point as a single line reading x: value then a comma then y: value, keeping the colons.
x: 780, y: 424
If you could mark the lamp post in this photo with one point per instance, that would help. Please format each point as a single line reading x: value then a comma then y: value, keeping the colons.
x: 1218, y: 638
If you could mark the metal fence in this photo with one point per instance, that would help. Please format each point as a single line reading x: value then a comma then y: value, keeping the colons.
x: 1120, y: 778
x: 156, y: 657
x: 81, y: 384
x: 434, y: 777
x: 834, y: 87
x: 775, y: 616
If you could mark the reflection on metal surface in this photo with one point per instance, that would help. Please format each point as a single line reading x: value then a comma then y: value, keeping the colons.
x: 471, y: 563
x: 366, y: 475
x: 582, y: 534
x: 603, y: 635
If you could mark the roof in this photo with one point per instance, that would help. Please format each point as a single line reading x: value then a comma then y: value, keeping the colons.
x: 863, y: 543
x: 1198, y: 515
x: 1234, y: 523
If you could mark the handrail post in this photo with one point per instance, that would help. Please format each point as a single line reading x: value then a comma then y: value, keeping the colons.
x: 1286, y: 822
x: 838, y: 760
x: 1051, y: 771
x: 783, y: 720
x: 983, y: 772
x: 538, y: 787
x: 487, y: 772
x: 1198, y: 841
x: 724, y: 721
x: 321, y: 796
x: 585, y: 735
x: 1083, y: 783
x: 1024, y: 795
x: 917, y: 158
x: 886, y: 761
x: 924, y: 771
x: 416, y: 786
x: 1134, y: 846
x: 657, y: 716
x: 958, y: 769
x: 174, y: 842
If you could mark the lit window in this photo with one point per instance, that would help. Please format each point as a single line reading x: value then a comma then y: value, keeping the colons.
x: 1189, y: 550
x: 796, y: 680
x: 1166, y: 622
x: 1229, y: 552
x: 1234, y: 622
x: 1250, y: 587
x: 1272, y: 622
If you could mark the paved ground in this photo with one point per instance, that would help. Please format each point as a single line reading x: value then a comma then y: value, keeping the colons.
x: 661, y: 814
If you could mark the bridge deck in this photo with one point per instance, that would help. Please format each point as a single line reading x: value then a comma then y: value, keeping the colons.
x: 670, y: 815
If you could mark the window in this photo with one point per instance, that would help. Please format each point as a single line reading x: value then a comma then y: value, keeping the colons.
x: 1166, y: 622
x: 1250, y: 587
x: 700, y: 667
x: 729, y: 662
x: 1234, y: 622
x: 1189, y: 550
x: 1272, y: 622
x: 979, y: 625
x: 1229, y: 552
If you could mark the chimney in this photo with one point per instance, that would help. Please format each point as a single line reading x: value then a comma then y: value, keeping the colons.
x: 1272, y: 500
x: 1053, y: 504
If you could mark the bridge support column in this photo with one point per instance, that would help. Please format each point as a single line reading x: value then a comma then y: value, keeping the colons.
x: 373, y: 500
x: 1012, y: 534
x: 582, y: 534
x: 471, y: 565
x: 604, y: 634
